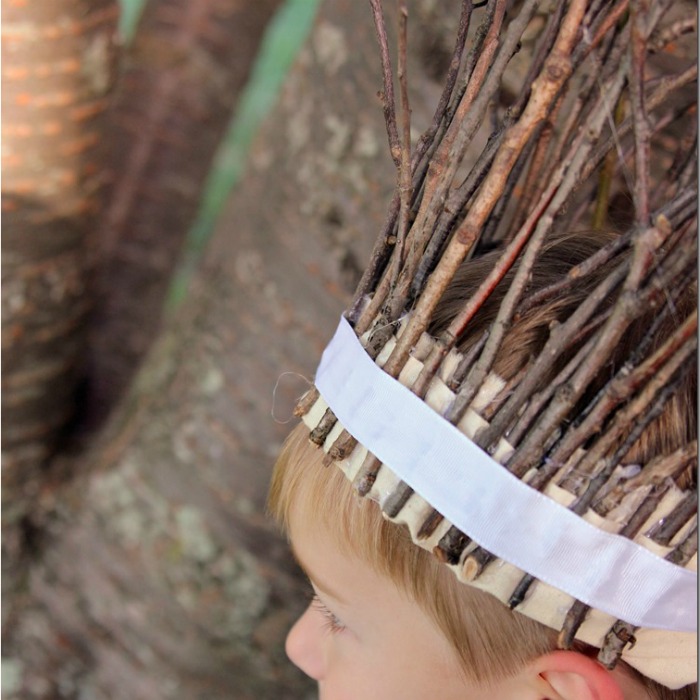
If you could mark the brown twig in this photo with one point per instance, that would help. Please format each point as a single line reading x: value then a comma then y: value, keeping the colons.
x: 669, y: 527
x: 542, y: 397
x: 654, y: 100
x: 387, y: 94
x: 665, y: 36
x: 686, y: 550
x: 475, y: 562
x: 626, y: 308
x: 404, y: 179
x: 446, y: 158
x: 430, y: 524
x: 306, y: 402
x: 545, y: 88
x: 624, y: 384
x: 645, y: 410
x: 640, y: 120
x: 559, y: 338
x: 658, y: 470
x: 397, y: 499
x: 367, y: 475
x: 426, y: 139
x: 380, y: 255
x: 589, y: 265
x: 620, y: 635
x: 451, y: 545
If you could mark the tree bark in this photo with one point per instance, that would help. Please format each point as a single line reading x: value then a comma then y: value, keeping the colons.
x: 58, y: 67
x: 161, y: 576
x: 183, y: 76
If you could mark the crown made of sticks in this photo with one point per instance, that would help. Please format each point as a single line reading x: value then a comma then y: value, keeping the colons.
x: 522, y: 484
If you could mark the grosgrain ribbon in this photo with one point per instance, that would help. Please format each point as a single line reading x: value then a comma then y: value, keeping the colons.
x: 498, y: 511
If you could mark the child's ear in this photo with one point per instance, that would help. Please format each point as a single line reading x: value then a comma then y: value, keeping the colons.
x: 568, y: 675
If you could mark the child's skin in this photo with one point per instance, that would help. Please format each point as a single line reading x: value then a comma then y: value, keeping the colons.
x: 362, y: 638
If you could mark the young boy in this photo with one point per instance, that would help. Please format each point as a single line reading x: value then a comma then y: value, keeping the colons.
x: 389, y: 620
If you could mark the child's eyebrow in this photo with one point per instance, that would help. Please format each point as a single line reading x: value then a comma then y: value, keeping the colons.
x: 326, y: 590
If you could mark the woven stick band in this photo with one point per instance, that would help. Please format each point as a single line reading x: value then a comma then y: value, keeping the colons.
x: 572, y: 557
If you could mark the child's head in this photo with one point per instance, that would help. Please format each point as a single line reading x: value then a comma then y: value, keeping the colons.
x: 391, y: 622
x: 367, y: 637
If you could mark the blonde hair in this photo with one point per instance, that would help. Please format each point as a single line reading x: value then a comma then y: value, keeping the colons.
x: 490, y: 640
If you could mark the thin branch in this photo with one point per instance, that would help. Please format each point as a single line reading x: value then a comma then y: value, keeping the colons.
x: 669, y: 527
x: 624, y: 384
x: 640, y: 119
x: 428, y: 136
x: 545, y: 88
x: 626, y: 308
x: 663, y: 37
x: 387, y: 95
x: 559, y: 338
x: 661, y: 469
x: 405, y: 190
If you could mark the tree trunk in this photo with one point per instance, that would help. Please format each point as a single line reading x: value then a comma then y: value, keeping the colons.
x: 183, y: 76
x: 58, y: 66
x: 161, y: 576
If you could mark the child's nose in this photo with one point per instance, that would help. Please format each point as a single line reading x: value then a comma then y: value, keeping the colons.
x: 303, y: 645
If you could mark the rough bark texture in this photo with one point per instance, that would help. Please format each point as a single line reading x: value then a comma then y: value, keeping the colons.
x: 182, y: 78
x: 161, y: 577
x: 57, y: 70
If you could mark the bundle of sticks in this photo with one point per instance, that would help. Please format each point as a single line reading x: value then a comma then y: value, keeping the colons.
x: 607, y: 112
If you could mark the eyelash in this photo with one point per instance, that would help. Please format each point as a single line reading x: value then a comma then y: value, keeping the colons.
x: 331, y: 621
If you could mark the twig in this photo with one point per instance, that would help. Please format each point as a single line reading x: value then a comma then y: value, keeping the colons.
x: 380, y: 255
x: 475, y: 562
x: 558, y: 339
x: 306, y: 402
x: 658, y: 470
x: 589, y: 265
x: 625, y: 310
x: 320, y: 432
x: 686, y: 550
x: 620, y: 635
x: 615, y: 16
x: 446, y: 158
x: 640, y: 415
x: 545, y: 88
x: 655, y: 99
x: 625, y: 383
x: 573, y: 620
x: 605, y: 179
x: 451, y: 545
x: 427, y: 137
x: 640, y: 120
x: 540, y: 399
x: 429, y: 525
x: 667, y: 528
x: 662, y: 38
x: 397, y: 499
x: 367, y: 475
x: 405, y: 190
x: 387, y: 95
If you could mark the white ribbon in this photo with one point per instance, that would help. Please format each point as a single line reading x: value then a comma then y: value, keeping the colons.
x: 498, y: 511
